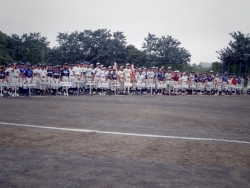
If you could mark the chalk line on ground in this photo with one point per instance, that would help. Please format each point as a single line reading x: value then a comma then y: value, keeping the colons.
x: 125, y: 134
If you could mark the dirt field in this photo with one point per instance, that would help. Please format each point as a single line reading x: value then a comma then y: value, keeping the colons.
x: 39, y: 157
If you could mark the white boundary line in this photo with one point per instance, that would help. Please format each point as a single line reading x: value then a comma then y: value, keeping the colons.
x: 126, y: 134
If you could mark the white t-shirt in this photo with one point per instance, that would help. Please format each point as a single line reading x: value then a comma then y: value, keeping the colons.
x: 127, y: 72
x: 43, y: 73
x: 139, y: 78
x: 150, y: 75
x: 37, y: 71
x: 97, y: 71
x: 13, y: 72
x: 84, y: 69
x: 103, y: 73
x: 168, y: 76
x: 71, y: 72
x: 88, y: 72
x: 77, y: 70
x: 184, y: 79
x: 120, y: 74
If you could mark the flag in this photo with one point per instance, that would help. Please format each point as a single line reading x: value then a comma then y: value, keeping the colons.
x: 132, y: 72
x: 115, y: 66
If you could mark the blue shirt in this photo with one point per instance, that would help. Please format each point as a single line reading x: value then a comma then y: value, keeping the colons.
x: 28, y: 73
x: 160, y: 76
x: 65, y: 72
x: 2, y: 74
x: 210, y: 78
x: 109, y: 76
x: 224, y: 78
x: 56, y: 74
x: 50, y: 72
x: 114, y: 76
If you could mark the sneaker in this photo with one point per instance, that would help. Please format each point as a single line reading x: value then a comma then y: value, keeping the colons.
x: 103, y: 94
x: 100, y: 93
x: 17, y: 95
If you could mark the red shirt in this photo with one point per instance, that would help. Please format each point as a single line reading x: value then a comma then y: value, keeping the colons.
x: 234, y: 81
x: 175, y: 77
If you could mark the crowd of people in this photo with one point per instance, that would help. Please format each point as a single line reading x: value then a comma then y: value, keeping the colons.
x: 86, y: 79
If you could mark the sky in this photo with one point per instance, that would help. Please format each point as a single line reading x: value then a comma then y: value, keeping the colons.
x: 202, y: 26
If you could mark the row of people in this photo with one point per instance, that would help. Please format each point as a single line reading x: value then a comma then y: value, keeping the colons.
x: 85, y: 78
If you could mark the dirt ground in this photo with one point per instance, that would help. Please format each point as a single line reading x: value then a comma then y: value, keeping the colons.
x: 35, y: 157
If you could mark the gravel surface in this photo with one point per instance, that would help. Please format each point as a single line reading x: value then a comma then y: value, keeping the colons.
x: 34, y: 157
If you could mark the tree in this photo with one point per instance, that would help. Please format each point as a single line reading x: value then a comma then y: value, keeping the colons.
x: 135, y: 56
x: 29, y: 47
x: 93, y: 46
x: 5, y: 51
x: 165, y: 50
x: 217, y: 67
x: 236, y: 56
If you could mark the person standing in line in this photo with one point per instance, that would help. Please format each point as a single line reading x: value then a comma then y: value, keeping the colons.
x: 121, y: 76
x: 28, y: 77
x: 97, y: 72
x: 77, y: 71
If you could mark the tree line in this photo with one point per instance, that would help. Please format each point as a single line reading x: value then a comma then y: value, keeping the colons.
x: 108, y: 47
x: 100, y: 45
x: 236, y: 56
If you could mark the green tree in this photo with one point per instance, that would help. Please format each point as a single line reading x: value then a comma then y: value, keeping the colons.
x: 165, y: 50
x: 217, y: 67
x: 100, y: 45
x: 236, y: 57
x: 5, y: 51
x: 29, y: 47
x: 135, y: 56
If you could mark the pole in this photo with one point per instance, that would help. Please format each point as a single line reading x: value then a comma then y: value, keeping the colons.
x: 246, y: 70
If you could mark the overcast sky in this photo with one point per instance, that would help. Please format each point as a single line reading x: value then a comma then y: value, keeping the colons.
x: 202, y: 26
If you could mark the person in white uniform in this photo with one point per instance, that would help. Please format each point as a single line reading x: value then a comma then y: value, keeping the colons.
x: 102, y: 80
x: 88, y: 77
x: 184, y: 83
x: 8, y: 74
x: 167, y: 79
x: 77, y: 71
x: 140, y: 82
x: 192, y: 83
x: 127, y: 78
x: 43, y: 78
x: 97, y: 72
x: 71, y: 79
x: 14, y: 77
x: 37, y: 79
x: 150, y: 81
x: 121, y: 76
